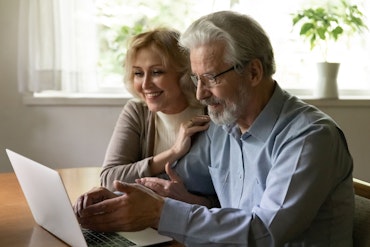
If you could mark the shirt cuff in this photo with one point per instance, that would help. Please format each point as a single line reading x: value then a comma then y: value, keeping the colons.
x: 174, y: 219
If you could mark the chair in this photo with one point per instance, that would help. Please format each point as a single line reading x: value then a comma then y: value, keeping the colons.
x: 361, y: 227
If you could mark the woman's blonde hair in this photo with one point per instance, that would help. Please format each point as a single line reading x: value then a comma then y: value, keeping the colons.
x: 165, y: 42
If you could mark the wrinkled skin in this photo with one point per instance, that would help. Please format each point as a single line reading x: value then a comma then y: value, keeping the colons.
x: 102, y: 210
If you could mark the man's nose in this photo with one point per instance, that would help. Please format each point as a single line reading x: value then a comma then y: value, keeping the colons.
x: 202, y: 92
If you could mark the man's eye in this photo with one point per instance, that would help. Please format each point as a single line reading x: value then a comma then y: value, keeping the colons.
x: 209, y: 77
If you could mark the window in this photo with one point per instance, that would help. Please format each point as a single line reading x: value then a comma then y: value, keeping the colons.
x: 101, y: 29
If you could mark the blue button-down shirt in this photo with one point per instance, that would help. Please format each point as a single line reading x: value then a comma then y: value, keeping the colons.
x: 285, y: 182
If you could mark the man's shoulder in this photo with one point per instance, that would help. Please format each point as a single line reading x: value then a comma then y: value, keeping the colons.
x: 299, y: 109
x: 298, y: 117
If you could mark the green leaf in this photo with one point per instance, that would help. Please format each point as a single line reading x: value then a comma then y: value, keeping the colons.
x: 336, y: 32
x: 306, y: 28
x: 331, y: 21
x: 322, y: 32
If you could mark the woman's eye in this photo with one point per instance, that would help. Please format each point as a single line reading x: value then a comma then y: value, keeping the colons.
x: 157, y: 72
x: 138, y: 74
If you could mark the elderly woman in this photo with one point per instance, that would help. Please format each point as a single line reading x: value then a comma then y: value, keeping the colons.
x: 158, y: 125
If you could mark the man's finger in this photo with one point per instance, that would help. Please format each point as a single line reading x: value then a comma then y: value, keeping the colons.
x: 123, y: 186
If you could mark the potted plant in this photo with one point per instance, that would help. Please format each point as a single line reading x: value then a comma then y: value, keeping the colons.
x: 322, y: 26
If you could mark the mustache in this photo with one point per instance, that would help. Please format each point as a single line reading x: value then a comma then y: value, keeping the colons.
x: 211, y: 101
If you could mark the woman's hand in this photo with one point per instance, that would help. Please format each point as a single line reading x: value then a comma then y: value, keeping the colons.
x: 182, y: 144
x: 187, y: 129
x: 173, y: 188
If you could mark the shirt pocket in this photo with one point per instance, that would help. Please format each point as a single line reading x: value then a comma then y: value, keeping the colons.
x: 221, y: 183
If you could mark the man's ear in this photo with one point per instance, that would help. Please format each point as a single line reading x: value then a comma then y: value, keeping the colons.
x: 255, y: 71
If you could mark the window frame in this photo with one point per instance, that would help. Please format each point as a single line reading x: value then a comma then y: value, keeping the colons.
x: 105, y: 96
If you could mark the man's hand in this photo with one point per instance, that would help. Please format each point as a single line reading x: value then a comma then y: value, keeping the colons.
x: 137, y: 209
x: 94, y: 196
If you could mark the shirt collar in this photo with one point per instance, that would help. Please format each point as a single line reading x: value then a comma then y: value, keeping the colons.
x: 265, y: 121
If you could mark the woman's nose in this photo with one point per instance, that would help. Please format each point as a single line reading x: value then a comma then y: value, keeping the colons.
x: 146, y: 81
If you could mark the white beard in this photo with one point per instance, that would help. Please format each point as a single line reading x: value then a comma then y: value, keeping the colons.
x: 227, y: 116
x: 231, y: 110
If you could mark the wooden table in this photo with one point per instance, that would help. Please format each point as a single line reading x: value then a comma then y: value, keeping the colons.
x: 17, y: 227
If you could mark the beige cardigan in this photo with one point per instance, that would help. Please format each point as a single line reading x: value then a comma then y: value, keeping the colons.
x: 130, y: 150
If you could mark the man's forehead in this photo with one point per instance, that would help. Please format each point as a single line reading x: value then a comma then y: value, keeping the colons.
x: 207, y: 54
x: 208, y: 49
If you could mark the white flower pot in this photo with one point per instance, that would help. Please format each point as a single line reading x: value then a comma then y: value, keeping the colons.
x: 327, y: 87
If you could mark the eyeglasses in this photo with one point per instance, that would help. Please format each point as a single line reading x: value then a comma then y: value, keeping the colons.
x: 209, y: 80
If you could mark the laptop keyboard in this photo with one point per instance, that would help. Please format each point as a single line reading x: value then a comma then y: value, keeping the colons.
x: 103, y: 239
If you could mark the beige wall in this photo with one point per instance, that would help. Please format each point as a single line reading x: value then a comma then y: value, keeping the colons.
x: 59, y: 136
x: 66, y: 136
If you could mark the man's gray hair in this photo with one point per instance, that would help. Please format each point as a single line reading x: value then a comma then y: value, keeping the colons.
x: 244, y: 38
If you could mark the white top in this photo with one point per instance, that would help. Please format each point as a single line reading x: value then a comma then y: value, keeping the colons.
x: 168, y: 125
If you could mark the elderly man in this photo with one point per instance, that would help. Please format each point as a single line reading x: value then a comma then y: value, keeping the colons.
x: 281, y: 168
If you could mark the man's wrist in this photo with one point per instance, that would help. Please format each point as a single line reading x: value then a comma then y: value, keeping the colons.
x: 158, y: 214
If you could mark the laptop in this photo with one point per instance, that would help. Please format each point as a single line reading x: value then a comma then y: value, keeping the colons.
x: 51, y: 208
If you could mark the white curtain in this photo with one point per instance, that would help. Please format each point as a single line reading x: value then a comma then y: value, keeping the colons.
x: 57, y: 47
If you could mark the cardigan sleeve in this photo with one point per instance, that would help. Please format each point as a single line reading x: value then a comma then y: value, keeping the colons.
x: 127, y: 156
